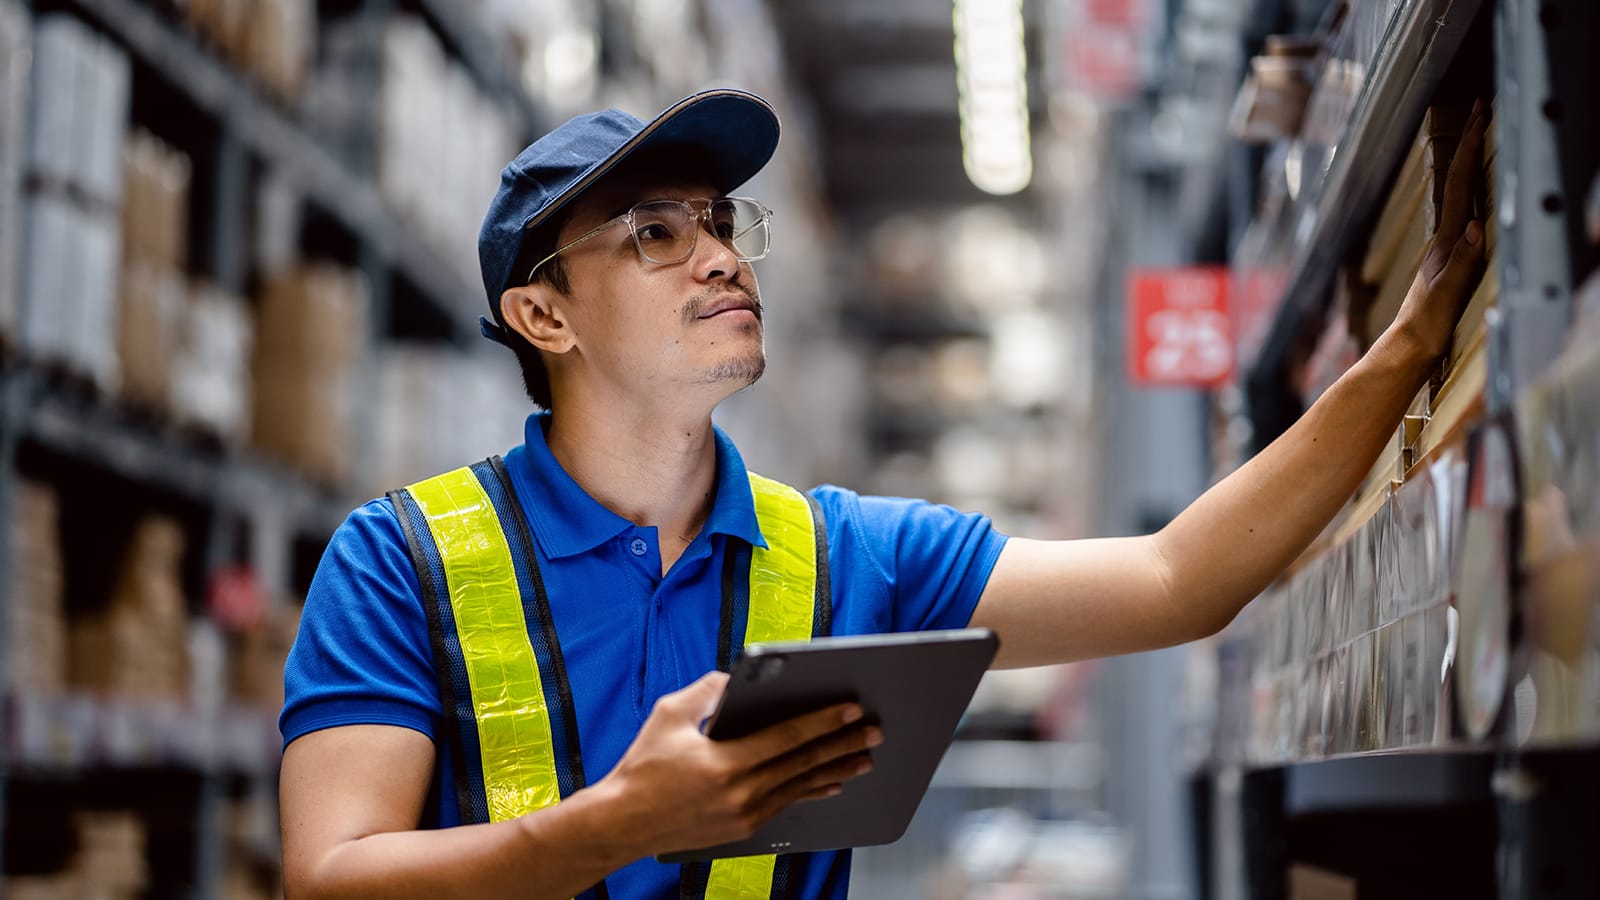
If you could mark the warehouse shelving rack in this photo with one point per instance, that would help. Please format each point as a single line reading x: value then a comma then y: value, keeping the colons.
x: 43, y: 414
x: 1412, y: 62
x: 1501, y: 816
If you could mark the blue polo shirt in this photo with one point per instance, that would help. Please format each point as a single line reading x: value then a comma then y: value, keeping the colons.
x: 628, y: 635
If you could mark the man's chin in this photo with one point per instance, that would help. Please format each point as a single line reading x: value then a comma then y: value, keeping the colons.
x: 739, y: 373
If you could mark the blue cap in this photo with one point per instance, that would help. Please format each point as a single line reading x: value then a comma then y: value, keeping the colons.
x: 736, y: 130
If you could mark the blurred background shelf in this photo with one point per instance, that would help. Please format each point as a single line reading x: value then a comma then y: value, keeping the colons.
x: 240, y: 296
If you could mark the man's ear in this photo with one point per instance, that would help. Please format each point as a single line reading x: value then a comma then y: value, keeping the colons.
x: 534, y: 311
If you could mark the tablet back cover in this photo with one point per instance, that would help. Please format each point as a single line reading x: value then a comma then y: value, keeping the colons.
x: 915, y: 686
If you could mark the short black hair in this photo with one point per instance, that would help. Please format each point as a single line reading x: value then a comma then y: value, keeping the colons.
x: 670, y: 161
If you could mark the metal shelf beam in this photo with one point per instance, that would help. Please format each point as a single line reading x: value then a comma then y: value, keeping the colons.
x: 86, y: 430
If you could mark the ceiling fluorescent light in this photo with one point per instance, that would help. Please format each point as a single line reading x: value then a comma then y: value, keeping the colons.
x: 992, y: 79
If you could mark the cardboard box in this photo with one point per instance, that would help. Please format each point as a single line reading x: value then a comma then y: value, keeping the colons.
x: 36, y: 653
x: 278, y: 43
x: 149, y: 321
x: 311, y: 338
x: 137, y: 645
x: 155, y: 209
x: 1311, y: 883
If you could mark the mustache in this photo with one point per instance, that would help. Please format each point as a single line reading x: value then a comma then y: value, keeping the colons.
x: 698, y: 303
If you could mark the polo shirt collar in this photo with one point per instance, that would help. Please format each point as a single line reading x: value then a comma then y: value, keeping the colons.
x: 567, y: 521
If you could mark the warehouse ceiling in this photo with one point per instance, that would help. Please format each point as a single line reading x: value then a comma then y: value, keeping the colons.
x: 881, y: 77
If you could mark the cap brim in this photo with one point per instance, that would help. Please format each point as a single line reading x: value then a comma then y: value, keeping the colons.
x: 736, y: 130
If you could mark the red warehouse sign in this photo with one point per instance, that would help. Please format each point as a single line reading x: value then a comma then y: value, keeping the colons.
x: 1179, y: 330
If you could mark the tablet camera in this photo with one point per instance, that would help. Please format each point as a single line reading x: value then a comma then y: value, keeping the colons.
x: 767, y: 668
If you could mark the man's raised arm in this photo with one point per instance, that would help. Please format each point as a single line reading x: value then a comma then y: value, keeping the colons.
x: 1055, y: 601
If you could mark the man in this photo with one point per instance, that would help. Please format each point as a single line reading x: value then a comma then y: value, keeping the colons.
x: 627, y: 554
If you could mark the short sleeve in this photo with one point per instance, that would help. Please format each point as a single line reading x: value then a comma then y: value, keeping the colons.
x: 925, y: 563
x: 362, y: 655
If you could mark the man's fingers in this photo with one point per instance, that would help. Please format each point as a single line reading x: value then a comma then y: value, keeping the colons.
x: 699, y: 700
x: 1465, y: 167
x: 1455, y: 279
x: 816, y: 783
x: 829, y: 755
x: 785, y: 737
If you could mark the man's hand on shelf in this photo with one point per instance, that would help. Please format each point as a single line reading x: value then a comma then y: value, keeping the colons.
x: 1422, y: 329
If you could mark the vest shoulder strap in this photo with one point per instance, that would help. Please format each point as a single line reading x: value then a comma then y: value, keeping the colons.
x: 483, y: 633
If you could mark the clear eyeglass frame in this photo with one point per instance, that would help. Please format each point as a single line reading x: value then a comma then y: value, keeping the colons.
x: 699, y: 213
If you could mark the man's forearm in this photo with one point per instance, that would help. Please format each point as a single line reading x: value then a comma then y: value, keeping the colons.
x: 1229, y: 544
x: 553, y: 853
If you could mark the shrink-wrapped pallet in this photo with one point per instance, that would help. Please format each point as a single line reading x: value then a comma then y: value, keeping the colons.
x: 16, y: 64
x: 209, y: 374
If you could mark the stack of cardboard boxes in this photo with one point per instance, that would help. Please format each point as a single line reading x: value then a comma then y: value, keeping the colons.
x: 109, y: 865
x: 155, y: 214
x: 183, y: 344
x: 36, y: 629
x: 310, y: 345
x: 1355, y: 643
x: 111, y: 854
x: 136, y: 646
x: 271, y: 39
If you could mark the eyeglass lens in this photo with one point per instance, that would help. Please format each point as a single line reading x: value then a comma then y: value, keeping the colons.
x: 666, y: 229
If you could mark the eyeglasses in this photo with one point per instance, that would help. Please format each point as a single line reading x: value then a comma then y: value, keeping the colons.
x: 666, y: 231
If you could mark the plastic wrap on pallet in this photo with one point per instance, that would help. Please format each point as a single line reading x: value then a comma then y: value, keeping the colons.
x: 440, y: 142
x: 92, y: 332
x: 210, y: 386
x: 69, y: 286
x: 80, y: 109
x: 16, y: 64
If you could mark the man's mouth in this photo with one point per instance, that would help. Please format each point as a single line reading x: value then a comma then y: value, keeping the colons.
x: 730, y: 303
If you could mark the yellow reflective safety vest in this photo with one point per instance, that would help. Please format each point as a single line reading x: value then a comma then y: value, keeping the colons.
x: 509, y: 716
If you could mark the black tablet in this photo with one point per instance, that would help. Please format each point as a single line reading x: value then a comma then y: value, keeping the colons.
x: 915, y: 686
